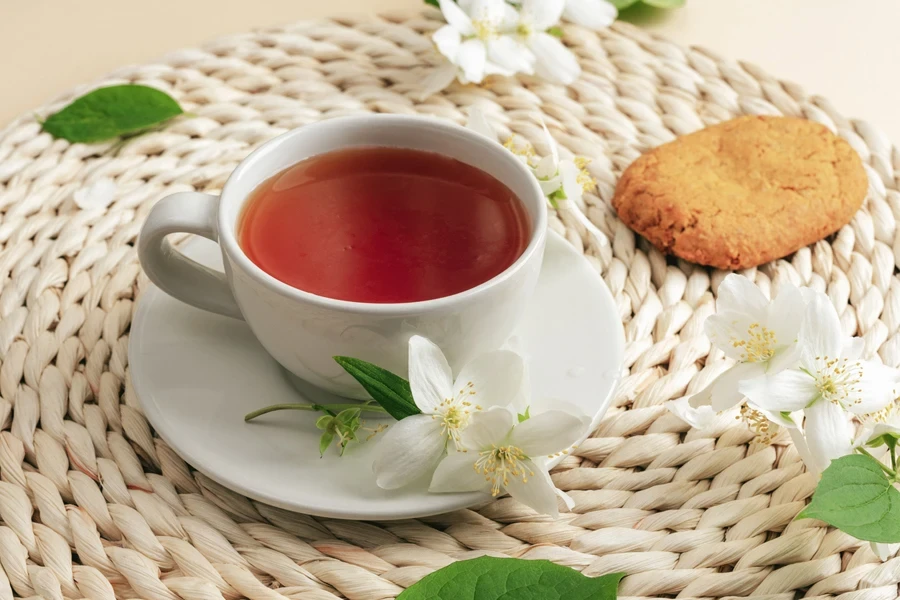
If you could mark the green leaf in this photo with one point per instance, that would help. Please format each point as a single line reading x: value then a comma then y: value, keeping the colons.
x: 347, y: 417
x: 856, y: 496
x: 324, y: 422
x: 489, y: 578
x: 620, y: 4
x: 434, y: 3
x: 391, y: 391
x: 347, y: 423
x: 110, y: 112
x: 525, y: 415
x: 665, y: 3
x: 324, y: 442
x: 555, y: 31
x: 888, y: 439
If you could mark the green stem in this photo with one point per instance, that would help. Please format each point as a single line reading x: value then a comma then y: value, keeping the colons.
x: 328, y: 408
x: 890, y: 472
x: 894, y: 457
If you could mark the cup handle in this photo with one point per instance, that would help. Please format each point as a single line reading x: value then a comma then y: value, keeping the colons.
x: 174, y: 273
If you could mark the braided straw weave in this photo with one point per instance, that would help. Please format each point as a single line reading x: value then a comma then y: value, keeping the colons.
x: 93, y: 505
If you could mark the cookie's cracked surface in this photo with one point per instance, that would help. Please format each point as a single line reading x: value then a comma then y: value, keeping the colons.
x: 744, y: 192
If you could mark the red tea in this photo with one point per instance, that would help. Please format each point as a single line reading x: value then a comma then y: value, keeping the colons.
x: 383, y: 225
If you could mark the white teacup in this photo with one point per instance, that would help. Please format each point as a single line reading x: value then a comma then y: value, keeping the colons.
x: 303, y: 331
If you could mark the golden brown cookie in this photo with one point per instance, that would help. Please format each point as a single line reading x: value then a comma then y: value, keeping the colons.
x: 744, y: 192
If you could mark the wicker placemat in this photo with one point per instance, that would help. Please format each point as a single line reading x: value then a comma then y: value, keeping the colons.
x: 93, y: 505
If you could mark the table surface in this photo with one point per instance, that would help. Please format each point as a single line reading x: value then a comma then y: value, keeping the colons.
x: 831, y: 47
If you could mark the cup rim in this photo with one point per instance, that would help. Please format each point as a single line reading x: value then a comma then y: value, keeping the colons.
x: 227, y: 237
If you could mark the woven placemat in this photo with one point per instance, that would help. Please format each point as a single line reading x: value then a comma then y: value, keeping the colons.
x: 93, y: 505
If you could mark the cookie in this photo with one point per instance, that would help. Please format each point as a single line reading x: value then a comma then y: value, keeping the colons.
x: 744, y: 192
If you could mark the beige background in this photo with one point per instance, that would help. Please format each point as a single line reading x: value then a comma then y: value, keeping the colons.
x: 836, y: 48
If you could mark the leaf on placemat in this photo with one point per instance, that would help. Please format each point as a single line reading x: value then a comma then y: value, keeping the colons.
x: 434, y: 3
x: 856, y: 496
x: 391, y: 391
x: 620, y: 4
x: 665, y: 3
x: 110, y: 112
x: 489, y: 578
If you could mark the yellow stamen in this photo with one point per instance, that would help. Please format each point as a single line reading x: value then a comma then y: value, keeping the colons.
x: 454, y: 413
x: 499, y: 464
x: 757, y: 423
x: 526, y: 149
x: 484, y: 29
x: 838, y: 380
x: 885, y: 414
x: 585, y: 179
x: 758, y: 346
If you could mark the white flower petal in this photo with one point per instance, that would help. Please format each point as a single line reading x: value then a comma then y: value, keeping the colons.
x: 739, y: 294
x: 536, y: 492
x: 853, y: 348
x: 698, y: 418
x: 510, y: 55
x: 809, y: 293
x: 447, y: 39
x: 472, y: 59
x: 725, y: 390
x: 702, y: 398
x: 813, y: 463
x: 547, y: 167
x: 593, y: 14
x: 456, y: 473
x: 98, y: 194
x: 495, y: 69
x: 876, y: 390
x: 787, y: 420
x: 728, y: 328
x: 785, y: 392
x: 491, y: 379
x: 410, y: 449
x: 569, y: 173
x: 547, y: 433
x: 820, y: 332
x: 487, y: 428
x: 479, y: 124
x: 554, y: 148
x: 520, y: 145
x: 786, y: 357
x: 430, y: 377
x: 509, y: 19
x: 555, y: 62
x: 785, y: 314
x: 543, y: 14
x: 550, y: 186
x: 492, y: 11
x: 567, y: 499
x: 438, y: 80
x: 829, y: 432
x: 457, y: 17
x: 884, y: 551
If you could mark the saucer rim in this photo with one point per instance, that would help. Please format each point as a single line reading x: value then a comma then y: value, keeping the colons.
x: 449, y: 502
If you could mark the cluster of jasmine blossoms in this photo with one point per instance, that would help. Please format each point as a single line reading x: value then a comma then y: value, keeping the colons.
x: 505, y: 37
x: 795, y: 369
x: 564, y: 181
x: 475, y: 432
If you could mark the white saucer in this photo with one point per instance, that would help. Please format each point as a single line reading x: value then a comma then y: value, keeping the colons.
x: 197, y: 375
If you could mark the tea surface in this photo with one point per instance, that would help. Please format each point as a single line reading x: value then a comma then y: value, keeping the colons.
x: 383, y: 225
